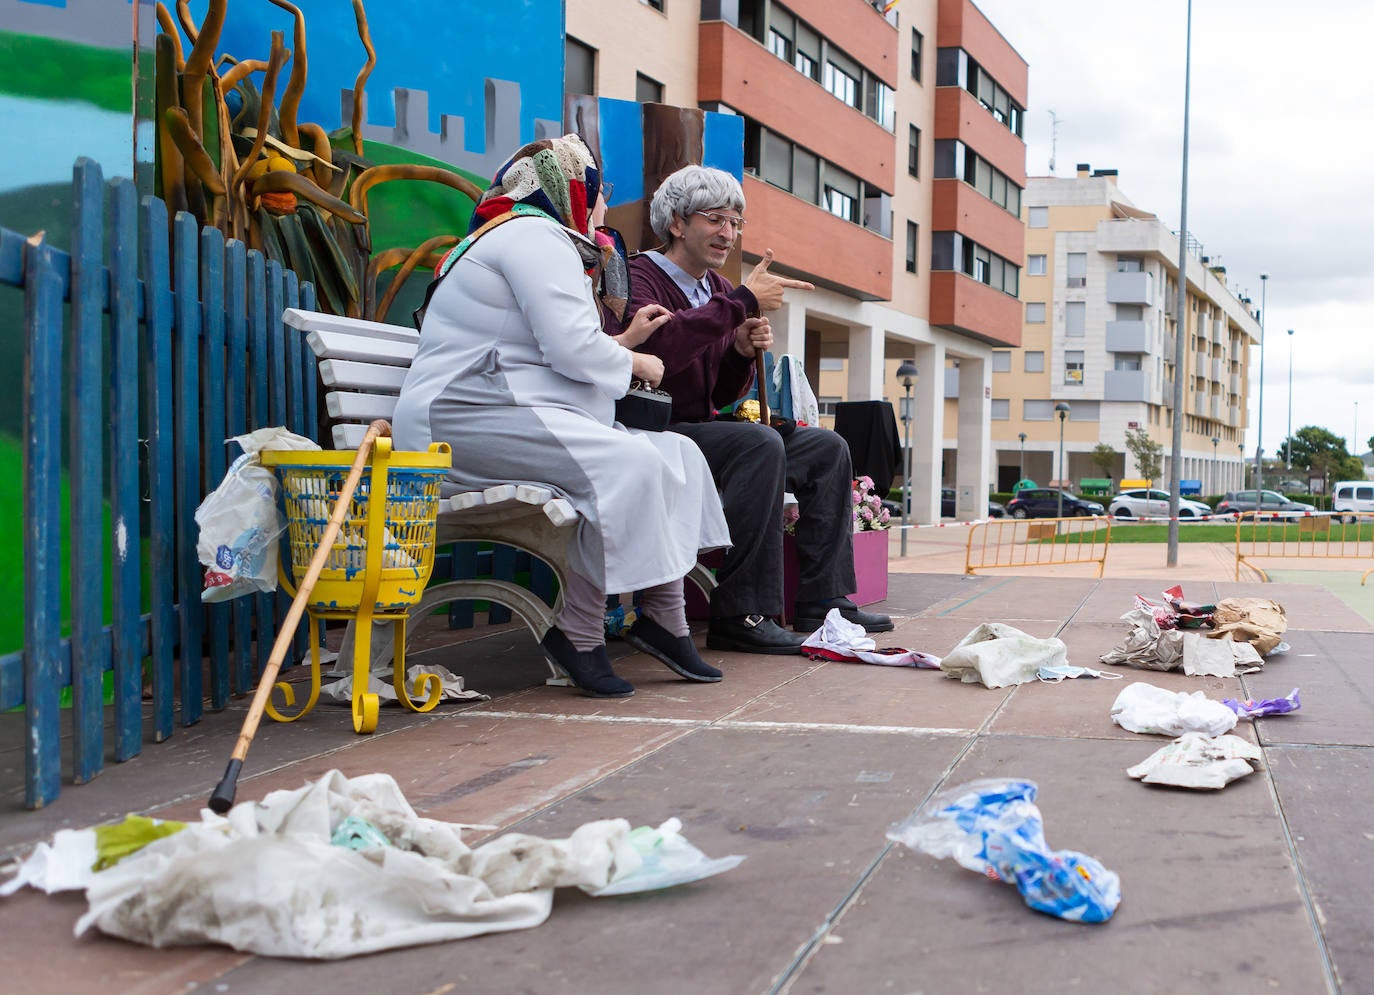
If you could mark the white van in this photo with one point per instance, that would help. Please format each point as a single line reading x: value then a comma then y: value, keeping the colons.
x: 1352, y: 496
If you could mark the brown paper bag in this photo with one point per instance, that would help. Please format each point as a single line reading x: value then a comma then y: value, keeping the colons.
x: 1257, y: 621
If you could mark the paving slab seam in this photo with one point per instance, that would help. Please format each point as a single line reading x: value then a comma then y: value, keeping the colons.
x: 969, y: 601
x: 792, y: 972
x: 735, y: 724
x: 1300, y: 873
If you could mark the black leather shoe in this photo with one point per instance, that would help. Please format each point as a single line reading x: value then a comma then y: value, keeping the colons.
x: 677, y: 653
x: 590, y: 670
x: 751, y: 634
x: 810, y: 615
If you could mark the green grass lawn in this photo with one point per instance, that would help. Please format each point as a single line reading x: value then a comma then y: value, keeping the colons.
x: 1258, y: 532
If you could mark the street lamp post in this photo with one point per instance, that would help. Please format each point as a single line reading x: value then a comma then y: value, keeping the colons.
x: 1288, y: 443
x: 1063, y: 408
x: 906, y: 375
x: 1241, y: 446
x: 1259, y: 418
x: 1180, y: 303
x: 1022, y: 437
x: 1215, y: 440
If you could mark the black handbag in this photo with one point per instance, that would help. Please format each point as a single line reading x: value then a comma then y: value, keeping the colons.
x: 644, y: 407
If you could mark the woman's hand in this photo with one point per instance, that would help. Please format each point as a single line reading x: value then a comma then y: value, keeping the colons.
x: 647, y: 368
x: 647, y: 320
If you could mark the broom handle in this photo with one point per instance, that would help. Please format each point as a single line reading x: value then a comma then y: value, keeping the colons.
x: 759, y: 375
x: 223, y: 796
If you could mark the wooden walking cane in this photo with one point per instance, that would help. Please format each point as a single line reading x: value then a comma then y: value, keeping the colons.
x: 222, y: 798
x: 759, y: 374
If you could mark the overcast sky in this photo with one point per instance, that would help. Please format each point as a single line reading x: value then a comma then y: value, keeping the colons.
x: 1279, y: 162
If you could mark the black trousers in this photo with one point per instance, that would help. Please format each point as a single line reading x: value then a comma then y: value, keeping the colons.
x: 752, y: 466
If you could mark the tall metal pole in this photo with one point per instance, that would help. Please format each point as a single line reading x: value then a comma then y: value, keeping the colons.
x: 1063, y: 408
x: 1022, y: 437
x: 906, y: 463
x: 1180, y: 308
x: 1288, y: 444
x: 1259, y: 417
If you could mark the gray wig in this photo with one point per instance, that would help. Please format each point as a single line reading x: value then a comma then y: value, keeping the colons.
x: 692, y: 189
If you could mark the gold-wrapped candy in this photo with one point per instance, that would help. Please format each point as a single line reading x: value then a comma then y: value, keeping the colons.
x: 747, y: 410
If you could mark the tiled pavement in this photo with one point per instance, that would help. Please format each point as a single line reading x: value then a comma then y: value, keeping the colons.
x: 802, y: 767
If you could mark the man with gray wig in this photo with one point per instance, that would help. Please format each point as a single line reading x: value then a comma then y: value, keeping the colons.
x: 708, y: 349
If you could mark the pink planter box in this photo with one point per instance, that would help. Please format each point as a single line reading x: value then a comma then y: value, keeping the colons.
x: 870, y: 573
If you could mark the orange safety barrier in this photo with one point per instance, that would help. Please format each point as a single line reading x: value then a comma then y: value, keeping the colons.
x: 1313, y: 535
x: 1010, y: 542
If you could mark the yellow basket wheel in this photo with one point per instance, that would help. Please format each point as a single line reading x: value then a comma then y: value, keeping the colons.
x: 365, y: 708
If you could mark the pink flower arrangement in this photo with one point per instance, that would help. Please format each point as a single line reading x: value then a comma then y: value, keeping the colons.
x: 869, y: 513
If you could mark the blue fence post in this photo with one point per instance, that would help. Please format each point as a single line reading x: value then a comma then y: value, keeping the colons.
x: 42, y: 532
x: 188, y: 459
x: 86, y: 477
x: 236, y: 391
x: 157, y: 351
x: 127, y: 533
x: 212, y: 394
x: 259, y: 378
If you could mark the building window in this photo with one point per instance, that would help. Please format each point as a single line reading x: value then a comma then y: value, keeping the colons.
x: 951, y: 250
x: 1078, y: 269
x: 805, y: 175
x: 1128, y: 264
x: 913, y: 151
x: 1073, y: 366
x: 839, y: 204
x: 648, y: 90
x: 656, y: 4
x: 831, y: 364
x: 1035, y: 312
x: 1126, y: 363
x: 808, y: 52
x: 1130, y: 312
x: 1037, y: 410
x: 779, y: 44
x: 1035, y: 361
x: 826, y: 405
x: 913, y: 239
x: 880, y: 102
x: 1086, y: 411
x: 1001, y: 409
x: 917, y: 46
x: 579, y: 67
x: 954, y: 67
x: 1075, y: 319
x: 1001, y: 361
x: 841, y: 84
x: 1035, y: 265
x: 1039, y: 217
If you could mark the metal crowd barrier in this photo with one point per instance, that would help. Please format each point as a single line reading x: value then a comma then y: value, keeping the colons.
x: 1010, y: 542
x: 1318, y: 535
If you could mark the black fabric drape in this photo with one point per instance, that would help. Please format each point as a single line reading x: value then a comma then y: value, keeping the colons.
x: 870, y: 428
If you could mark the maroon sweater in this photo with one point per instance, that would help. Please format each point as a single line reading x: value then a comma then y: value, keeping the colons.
x: 701, y: 367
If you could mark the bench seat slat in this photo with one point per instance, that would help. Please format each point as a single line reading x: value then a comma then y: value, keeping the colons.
x: 362, y: 348
x: 344, y: 374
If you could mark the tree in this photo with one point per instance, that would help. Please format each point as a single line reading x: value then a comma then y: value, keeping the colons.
x: 1103, y: 457
x: 1320, y: 452
x: 1147, y: 453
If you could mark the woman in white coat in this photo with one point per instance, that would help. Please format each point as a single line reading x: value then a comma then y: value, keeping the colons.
x: 515, y: 373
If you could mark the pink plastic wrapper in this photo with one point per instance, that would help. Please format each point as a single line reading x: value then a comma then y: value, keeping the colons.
x: 1252, y: 709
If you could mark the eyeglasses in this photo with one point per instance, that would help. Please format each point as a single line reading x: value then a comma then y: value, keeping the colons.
x: 606, y: 190
x: 719, y: 221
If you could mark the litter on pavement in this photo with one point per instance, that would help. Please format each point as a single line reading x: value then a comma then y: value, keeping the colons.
x: 1196, y: 760
x: 1252, y: 709
x: 1144, y: 708
x: 344, y: 866
x: 1222, y: 640
x: 994, y: 828
x: 997, y: 655
x: 844, y: 641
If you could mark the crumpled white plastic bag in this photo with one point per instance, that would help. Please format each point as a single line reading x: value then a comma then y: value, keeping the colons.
x: 379, y: 682
x: 843, y: 640
x: 239, y: 520
x: 996, y: 655
x: 1144, y: 708
x: 1206, y: 657
x: 266, y: 878
x: 1196, y: 760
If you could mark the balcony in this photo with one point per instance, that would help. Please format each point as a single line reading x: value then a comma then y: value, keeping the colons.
x: 1131, y: 288
x: 1200, y: 364
x: 1235, y: 383
x: 855, y: 261
x: 1235, y: 421
x: 966, y: 305
x: 1199, y: 403
x: 1218, y: 370
x: 1128, y: 336
x: 1125, y: 385
x: 959, y: 207
x: 1216, y: 408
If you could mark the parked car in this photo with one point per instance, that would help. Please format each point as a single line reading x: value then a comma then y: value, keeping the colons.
x: 947, y: 506
x: 1351, y: 497
x: 1143, y: 503
x: 1269, y: 503
x: 1042, y: 502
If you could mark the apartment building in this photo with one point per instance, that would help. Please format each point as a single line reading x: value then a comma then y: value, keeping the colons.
x: 883, y: 162
x: 1098, y: 293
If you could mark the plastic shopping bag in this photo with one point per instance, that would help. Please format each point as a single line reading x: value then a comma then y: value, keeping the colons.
x: 240, y: 522
x: 993, y: 827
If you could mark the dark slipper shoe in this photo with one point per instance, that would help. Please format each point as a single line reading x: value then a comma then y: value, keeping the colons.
x: 677, y: 653
x: 590, y: 670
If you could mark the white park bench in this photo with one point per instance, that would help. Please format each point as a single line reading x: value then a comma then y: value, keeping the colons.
x: 362, y: 365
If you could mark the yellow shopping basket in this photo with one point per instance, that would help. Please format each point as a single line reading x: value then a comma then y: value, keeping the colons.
x: 380, y: 561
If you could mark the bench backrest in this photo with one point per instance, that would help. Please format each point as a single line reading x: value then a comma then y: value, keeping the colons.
x: 362, y: 366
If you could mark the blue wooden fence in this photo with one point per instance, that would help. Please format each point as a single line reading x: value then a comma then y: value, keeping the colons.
x: 190, y: 325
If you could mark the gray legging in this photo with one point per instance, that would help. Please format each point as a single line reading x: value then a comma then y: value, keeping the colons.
x: 583, y: 615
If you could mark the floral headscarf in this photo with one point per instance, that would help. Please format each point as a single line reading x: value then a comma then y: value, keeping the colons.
x: 556, y: 175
